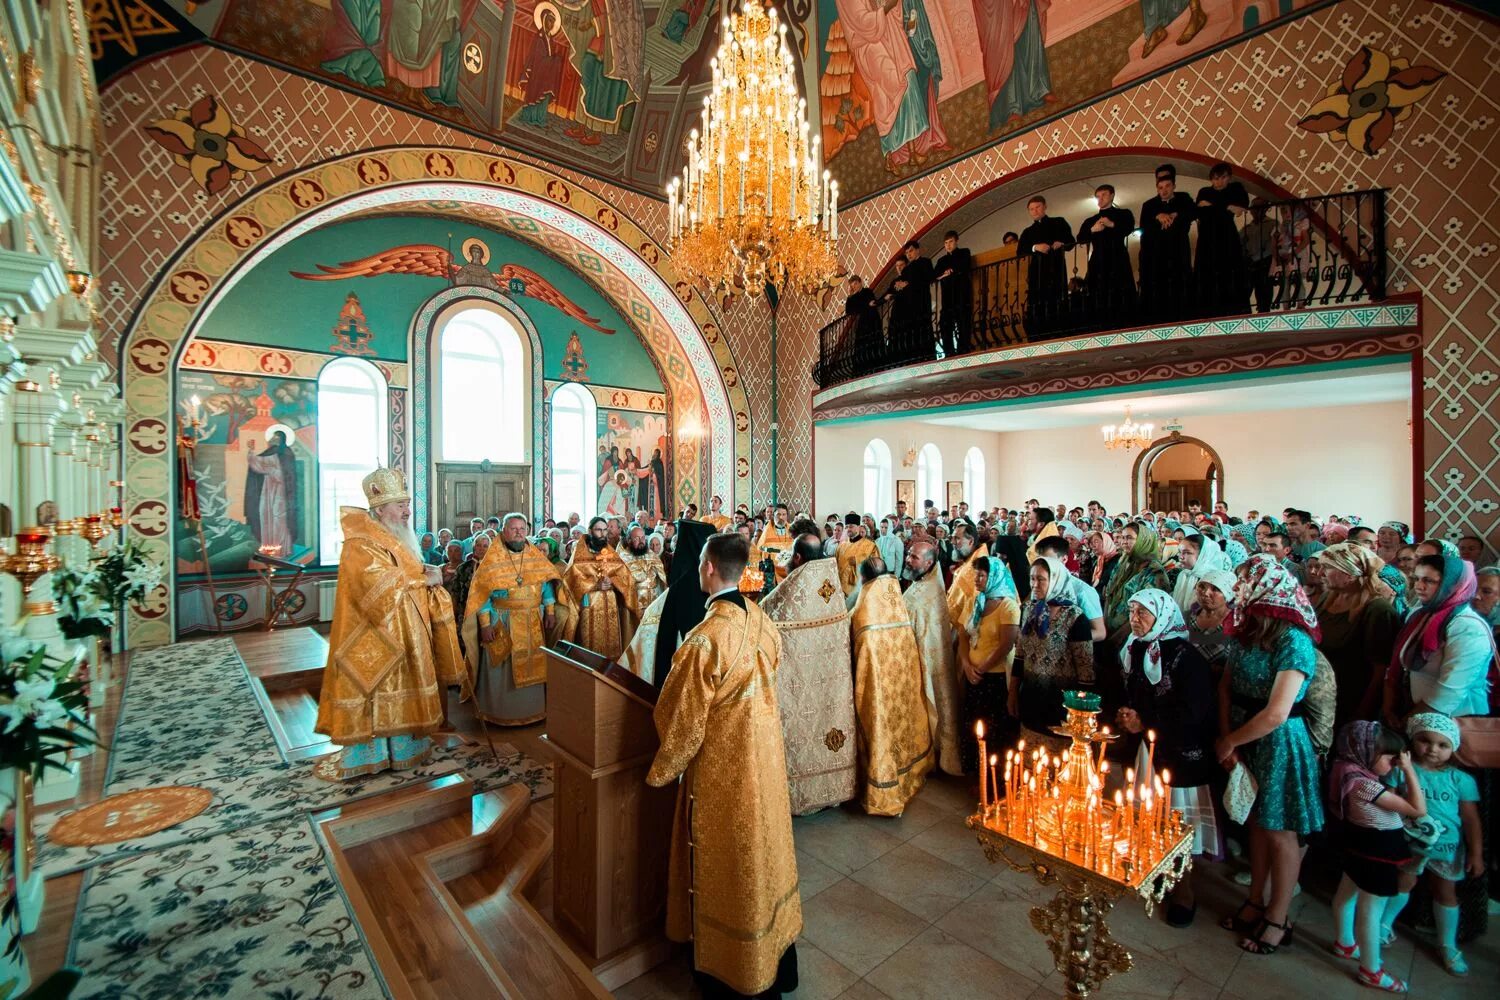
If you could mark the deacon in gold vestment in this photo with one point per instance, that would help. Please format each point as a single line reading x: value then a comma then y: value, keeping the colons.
x: 927, y: 603
x: 716, y: 515
x: 813, y: 684
x: 516, y: 604
x: 393, y: 648
x: 776, y: 541
x: 853, y: 550
x: 645, y: 566
x: 895, y: 749
x: 604, y: 591
x: 732, y: 881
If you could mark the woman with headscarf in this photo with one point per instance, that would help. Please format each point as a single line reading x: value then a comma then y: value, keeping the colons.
x: 1054, y: 653
x: 1235, y: 552
x: 1169, y: 693
x: 1436, y: 547
x: 1444, y: 659
x: 1139, y: 569
x: 1106, y: 558
x: 986, y: 648
x: 1272, y: 659
x: 1200, y: 555
x: 1212, y: 598
x: 1389, y: 538
x: 1359, y: 624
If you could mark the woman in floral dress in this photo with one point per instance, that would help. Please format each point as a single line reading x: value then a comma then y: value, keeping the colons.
x: 1272, y: 658
x: 1054, y: 654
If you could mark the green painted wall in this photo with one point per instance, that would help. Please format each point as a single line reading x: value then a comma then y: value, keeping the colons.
x: 271, y: 307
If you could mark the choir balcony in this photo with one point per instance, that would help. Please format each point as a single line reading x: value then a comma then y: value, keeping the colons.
x: 1312, y: 271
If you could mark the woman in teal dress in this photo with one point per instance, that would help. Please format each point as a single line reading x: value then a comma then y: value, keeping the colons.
x: 1272, y: 658
x: 1140, y: 569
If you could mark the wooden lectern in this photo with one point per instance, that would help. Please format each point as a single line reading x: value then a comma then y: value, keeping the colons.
x: 612, y: 831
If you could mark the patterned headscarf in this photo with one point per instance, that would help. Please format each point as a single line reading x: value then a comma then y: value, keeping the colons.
x: 1210, y: 559
x: 1108, y: 550
x: 1360, y: 563
x: 1246, y: 534
x: 1433, y: 722
x: 1039, y: 621
x: 1236, y: 551
x: 1146, y: 552
x: 1221, y: 580
x: 999, y: 584
x: 1168, y: 625
x: 1355, y: 753
x: 1335, y: 533
x: 1445, y: 548
x: 1426, y: 622
x: 1271, y: 591
x: 1399, y: 529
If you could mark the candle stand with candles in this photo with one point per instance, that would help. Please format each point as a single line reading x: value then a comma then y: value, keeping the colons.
x: 1055, y: 823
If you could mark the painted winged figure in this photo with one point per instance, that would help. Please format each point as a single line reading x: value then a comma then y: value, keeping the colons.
x: 433, y: 261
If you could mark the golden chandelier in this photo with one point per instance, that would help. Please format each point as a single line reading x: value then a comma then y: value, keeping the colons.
x: 754, y: 205
x: 1128, y: 435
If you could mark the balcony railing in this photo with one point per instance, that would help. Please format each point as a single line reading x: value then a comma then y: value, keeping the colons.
x: 1294, y: 254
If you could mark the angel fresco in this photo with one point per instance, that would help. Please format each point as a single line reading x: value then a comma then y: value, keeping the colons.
x: 432, y: 261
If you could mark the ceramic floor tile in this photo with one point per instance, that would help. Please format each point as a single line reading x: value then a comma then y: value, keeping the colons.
x: 862, y: 991
x: 957, y: 845
x: 920, y: 814
x: 938, y: 966
x: 998, y: 924
x: 949, y: 793
x: 842, y: 840
x: 857, y: 927
x: 818, y: 976
x: 921, y: 882
x: 813, y: 875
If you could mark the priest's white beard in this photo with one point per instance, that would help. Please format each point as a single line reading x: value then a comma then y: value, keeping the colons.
x: 405, y: 534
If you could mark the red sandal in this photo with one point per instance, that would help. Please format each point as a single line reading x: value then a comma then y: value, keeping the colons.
x: 1380, y: 980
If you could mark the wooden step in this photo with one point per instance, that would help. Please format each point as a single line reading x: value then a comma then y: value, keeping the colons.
x: 439, y: 881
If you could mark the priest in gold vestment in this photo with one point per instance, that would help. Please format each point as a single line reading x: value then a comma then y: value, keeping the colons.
x: 776, y: 541
x: 516, y: 602
x: 716, y: 515
x: 732, y: 881
x: 927, y: 603
x: 961, y: 590
x: 895, y: 746
x: 813, y: 684
x: 604, y: 592
x: 393, y: 647
x: 645, y: 566
x: 853, y: 550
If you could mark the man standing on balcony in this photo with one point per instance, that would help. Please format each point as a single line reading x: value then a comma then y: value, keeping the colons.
x: 1223, y: 285
x: 954, y: 302
x: 862, y: 325
x: 1111, y: 285
x: 1166, y: 256
x: 1045, y: 243
x: 911, y: 314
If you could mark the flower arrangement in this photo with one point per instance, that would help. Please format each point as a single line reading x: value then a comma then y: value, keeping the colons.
x: 84, y: 610
x: 125, y: 574
x: 42, y: 709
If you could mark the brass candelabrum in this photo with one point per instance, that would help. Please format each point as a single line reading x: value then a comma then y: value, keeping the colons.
x: 30, y: 562
x: 1055, y: 824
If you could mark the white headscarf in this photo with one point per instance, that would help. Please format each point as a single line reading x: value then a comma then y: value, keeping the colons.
x: 1168, y: 625
x: 1211, y: 558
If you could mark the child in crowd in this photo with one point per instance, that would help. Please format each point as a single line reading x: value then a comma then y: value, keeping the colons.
x: 1366, y: 826
x: 1453, y: 801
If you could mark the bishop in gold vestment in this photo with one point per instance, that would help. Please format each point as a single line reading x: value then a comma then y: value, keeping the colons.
x: 854, y: 550
x: 732, y: 882
x: 895, y: 749
x: 604, y: 592
x: 516, y: 603
x: 393, y: 648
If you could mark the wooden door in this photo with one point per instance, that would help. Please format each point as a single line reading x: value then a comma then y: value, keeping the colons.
x: 468, y: 490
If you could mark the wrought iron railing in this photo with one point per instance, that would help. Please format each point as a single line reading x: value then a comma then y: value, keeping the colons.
x: 1298, y: 253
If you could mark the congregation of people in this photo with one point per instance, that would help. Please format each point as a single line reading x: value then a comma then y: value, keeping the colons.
x: 1209, y: 255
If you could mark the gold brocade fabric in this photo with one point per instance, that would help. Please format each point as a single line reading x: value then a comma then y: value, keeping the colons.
x: 961, y: 590
x: 927, y: 603
x: 605, y: 619
x: 895, y: 749
x: 732, y: 883
x: 1049, y: 530
x: 777, y: 543
x: 393, y: 645
x: 752, y: 580
x: 520, y: 576
x: 640, y: 654
x: 719, y: 521
x: 649, y: 574
x: 850, y: 555
x: 814, y: 687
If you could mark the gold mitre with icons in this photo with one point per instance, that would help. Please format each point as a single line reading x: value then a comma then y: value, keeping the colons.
x: 385, y: 486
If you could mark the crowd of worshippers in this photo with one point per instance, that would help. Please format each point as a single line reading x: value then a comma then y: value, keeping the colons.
x: 1199, y: 257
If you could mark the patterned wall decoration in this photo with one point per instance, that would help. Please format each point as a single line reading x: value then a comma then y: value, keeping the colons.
x: 618, y: 398
x: 1243, y: 104
x: 206, y: 141
x: 1374, y: 92
x: 251, y: 359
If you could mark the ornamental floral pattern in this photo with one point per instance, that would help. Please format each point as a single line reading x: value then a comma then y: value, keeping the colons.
x: 1373, y: 94
x: 205, y: 140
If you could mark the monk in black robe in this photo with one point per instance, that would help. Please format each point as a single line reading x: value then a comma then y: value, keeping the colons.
x: 1220, y: 268
x: 1166, y: 253
x: 955, y: 304
x: 1045, y: 243
x: 912, y: 312
x: 866, y: 341
x: 1110, y: 283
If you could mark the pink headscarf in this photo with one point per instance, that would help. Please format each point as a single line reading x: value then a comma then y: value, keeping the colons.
x: 1109, y: 551
x: 1355, y: 753
x: 1454, y: 593
x: 1271, y: 591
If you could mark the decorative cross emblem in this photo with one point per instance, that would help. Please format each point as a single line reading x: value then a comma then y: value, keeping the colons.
x: 826, y: 591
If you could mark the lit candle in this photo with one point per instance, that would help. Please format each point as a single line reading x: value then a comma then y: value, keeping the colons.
x: 984, y: 799
x: 995, y: 784
x: 1150, y: 752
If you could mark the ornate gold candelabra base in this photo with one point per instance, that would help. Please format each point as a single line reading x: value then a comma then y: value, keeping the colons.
x: 1074, y: 921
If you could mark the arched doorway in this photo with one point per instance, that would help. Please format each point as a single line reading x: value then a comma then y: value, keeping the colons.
x: 1175, y: 470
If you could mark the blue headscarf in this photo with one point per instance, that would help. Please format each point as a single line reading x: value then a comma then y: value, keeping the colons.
x: 1000, y: 584
x: 1059, y: 580
x: 1236, y: 551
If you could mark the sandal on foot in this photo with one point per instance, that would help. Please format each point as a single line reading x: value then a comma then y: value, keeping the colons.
x: 1380, y: 980
x: 1239, y: 924
x: 1453, y: 961
x: 1258, y: 945
x: 1345, y: 950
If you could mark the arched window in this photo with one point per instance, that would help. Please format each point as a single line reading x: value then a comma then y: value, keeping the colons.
x: 353, y: 440
x: 481, y: 381
x: 929, y: 476
x: 974, y: 480
x: 878, y: 478
x: 573, y: 450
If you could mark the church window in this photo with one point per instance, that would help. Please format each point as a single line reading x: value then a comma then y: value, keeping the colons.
x: 929, y: 476
x: 974, y: 480
x: 481, y: 382
x: 573, y: 452
x: 878, y: 478
x: 353, y: 440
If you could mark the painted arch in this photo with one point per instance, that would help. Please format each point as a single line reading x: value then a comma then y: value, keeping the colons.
x: 710, y: 411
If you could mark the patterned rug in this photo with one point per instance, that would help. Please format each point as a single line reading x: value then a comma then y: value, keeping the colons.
x: 191, y: 717
x: 130, y: 815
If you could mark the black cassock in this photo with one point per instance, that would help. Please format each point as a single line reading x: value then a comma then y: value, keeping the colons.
x: 954, y: 300
x: 863, y: 326
x: 1166, y: 258
x: 1221, y: 275
x: 1110, y: 282
x: 911, y: 315
x: 1046, y: 273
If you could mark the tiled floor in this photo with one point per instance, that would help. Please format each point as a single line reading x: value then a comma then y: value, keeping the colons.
x: 908, y: 909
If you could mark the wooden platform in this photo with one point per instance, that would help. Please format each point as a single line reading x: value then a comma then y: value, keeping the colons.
x: 288, y: 668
